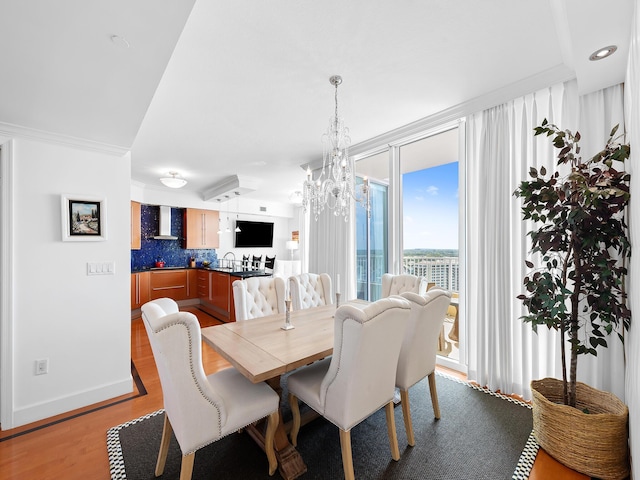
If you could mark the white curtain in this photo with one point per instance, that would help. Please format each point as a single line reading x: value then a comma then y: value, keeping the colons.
x: 332, y: 250
x: 632, y: 111
x: 503, y: 352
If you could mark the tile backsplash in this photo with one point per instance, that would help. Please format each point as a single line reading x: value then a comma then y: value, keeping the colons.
x: 170, y: 251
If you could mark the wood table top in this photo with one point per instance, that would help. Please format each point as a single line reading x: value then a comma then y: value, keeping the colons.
x: 261, y: 350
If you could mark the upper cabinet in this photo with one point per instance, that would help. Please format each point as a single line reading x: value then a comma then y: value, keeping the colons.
x: 200, y: 228
x: 135, y: 225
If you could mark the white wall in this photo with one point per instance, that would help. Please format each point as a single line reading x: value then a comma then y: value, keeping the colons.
x: 80, y: 323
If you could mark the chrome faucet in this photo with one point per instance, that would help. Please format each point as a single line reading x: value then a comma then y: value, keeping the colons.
x: 233, y: 262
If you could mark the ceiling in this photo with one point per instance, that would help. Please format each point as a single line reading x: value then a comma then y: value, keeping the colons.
x: 213, y: 89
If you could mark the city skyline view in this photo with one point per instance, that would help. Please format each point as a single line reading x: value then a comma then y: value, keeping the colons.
x: 430, y: 208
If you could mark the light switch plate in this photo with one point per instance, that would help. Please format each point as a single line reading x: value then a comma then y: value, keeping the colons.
x: 101, y: 268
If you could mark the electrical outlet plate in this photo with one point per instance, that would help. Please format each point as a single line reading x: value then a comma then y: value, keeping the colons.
x: 42, y: 366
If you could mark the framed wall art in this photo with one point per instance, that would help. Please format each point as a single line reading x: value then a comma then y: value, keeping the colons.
x: 84, y: 218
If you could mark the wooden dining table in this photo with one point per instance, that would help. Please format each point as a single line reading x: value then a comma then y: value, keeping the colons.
x: 262, y: 351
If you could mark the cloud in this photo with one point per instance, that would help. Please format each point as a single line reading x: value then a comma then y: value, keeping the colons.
x: 432, y: 190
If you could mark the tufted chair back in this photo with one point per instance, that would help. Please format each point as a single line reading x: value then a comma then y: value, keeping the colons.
x: 258, y: 296
x: 397, y: 284
x: 359, y: 378
x: 418, y: 355
x: 201, y: 409
x: 194, y: 409
x: 310, y: 290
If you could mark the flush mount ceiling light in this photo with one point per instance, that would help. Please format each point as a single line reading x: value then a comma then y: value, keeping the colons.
x: 602, y: 53
x: 174, y: 181
x: 335, y: 187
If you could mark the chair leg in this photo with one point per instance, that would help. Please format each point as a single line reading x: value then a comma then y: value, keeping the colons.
x: 391, y: 430
x: 186, y: 469
x: 167, y: 431
x: 406, y: 415
x: 347, y: 459
x: 272, y: 426
x: 295, y: 411
x: 434, y: 395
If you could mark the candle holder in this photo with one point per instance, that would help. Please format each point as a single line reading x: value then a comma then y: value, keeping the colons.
x: 337, y: 300
x: 287, y: 316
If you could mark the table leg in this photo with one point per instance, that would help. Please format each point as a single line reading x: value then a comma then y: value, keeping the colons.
x: 290, y: 463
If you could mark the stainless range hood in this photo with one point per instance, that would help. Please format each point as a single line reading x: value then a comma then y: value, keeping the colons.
x: 165, y: 224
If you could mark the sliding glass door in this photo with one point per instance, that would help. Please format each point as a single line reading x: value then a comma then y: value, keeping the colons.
x: 415, y: 223
x: 372, y: 239
x: 372, y: 248
x: 430, y: 217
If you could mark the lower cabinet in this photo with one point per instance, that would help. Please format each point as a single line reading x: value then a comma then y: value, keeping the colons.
x: 216, y: 294
x: 220, y: 293
x: 203, y: 285
x: 214, y: 289
x: 192, y: 283
x: 139, y: 289
x: 171, y: 283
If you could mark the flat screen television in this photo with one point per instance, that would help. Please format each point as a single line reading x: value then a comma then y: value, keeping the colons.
x: 254, y: 234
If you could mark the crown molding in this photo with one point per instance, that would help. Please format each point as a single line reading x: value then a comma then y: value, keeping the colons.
x: 446, y: 119
x: 452, y: 115
x: 17, y: 131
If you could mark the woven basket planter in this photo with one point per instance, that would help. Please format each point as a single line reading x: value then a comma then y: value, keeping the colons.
x: 593, y: 443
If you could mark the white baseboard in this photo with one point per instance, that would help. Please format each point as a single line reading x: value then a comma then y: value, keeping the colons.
x: 44, y: 410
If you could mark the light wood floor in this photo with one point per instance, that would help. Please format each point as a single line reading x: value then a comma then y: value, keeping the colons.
x: 73, y: 446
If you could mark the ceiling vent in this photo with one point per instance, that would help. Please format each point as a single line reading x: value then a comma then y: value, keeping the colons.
x: 230, y: 187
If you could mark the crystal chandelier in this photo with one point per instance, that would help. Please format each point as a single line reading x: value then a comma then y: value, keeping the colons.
x: 335, y: 187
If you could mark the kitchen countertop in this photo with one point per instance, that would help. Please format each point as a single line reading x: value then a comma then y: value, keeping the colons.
x: 230, y: 271
x: 239, y: 273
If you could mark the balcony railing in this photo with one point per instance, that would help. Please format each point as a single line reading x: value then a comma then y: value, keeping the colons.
x: 443, y: 271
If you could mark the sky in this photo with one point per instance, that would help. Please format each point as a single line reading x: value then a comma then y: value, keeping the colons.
x: 430, y: 207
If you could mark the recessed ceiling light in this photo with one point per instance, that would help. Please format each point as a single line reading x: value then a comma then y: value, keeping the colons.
x: 120, y: 41
x: 602, y: 53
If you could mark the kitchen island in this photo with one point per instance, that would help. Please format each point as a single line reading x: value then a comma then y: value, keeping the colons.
x: 216, y: 294
x: 209, y: 288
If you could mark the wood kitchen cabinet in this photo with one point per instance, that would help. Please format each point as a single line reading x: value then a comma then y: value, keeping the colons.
x: 220, y: 290
x: 203, y: 285
x: 216, y: 294
x: 200, y: 228
x: 169, y: 283
x: 136, y: 228
x: 139, y: 289
x: 192, y: 283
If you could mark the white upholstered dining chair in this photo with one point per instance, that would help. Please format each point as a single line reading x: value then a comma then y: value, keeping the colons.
x: 397, y: 284
x: 359, y: 378
x: 419, y: 347
x: 255, y: 297
x: 201, y: 409
x: 310, y: 290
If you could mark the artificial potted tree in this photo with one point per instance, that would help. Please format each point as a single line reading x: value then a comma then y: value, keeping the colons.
x: 580, y: 239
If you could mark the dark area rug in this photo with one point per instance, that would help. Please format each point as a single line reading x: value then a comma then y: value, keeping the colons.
x: 481, y: 435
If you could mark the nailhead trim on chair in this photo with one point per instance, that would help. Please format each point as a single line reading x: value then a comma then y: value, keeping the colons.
x: 193, y: 376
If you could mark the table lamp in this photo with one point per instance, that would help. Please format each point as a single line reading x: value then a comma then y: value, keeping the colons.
x: 291, y: 246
